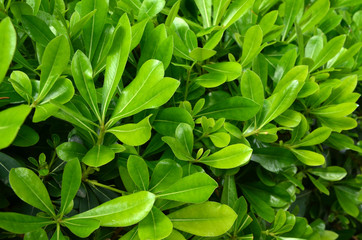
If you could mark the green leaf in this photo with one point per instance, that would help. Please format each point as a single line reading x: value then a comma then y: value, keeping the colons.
x: 251, y: 45
x: 178, y: 149
x: 150, y: 8
x: 332, y: 173
x: 252, y: 87
x: 8, y: 45
x: 22, y: 85
x: 289, y: 118
x: 93, y: 29
x: 116, y: 61
x: 37, y: 29
x: 72, y: 177
x: 292, y: 9
x: 229, y: 193
x: 76, y: 28
x: 29, y: 188
x: 211, y: 80
x: 316, y: 137
x: 81, y: 227
x: 204, y: 7
x: 185, y: 136
x: 333, y: 111
x: 318, y: 185
x: 11, y: 120
x: 39, y: 234
x: 55, y: 60
x: 299, y: 73
x: 235, y: 11
x: 201, y: 54
x: 220, y: 139
x: 233, y: 108
x: 308, y: 157
x: 122, y: 211
x: 208, y: 219
x: 279, y: 102
x: 137, y: 32
x: 195, y: 188
x: 168, y: 119
x: 83, y: 78
x: 138, y: 170
x: 98, y: 156
x: 166, y: 173
x: 69, y: 150
x: 11, y: 221
x: 329, y: 51
x: 148, y: 90
x: 155, y: 225
x: 348, y: 199
x: 133, y: 134
x: 231, y: 69
x: 173, y: 13
x: 229, y: 157
x: 175, y: 235
x: 314, y: 47
x: 26, y: 137
x: 214, y: 40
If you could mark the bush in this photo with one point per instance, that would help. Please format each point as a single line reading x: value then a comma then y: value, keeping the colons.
x: 180, y: 119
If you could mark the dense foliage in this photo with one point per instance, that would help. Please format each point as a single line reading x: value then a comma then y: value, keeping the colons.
x: 180, y: 119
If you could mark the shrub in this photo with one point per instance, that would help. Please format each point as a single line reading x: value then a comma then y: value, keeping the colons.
x: 180, y: 119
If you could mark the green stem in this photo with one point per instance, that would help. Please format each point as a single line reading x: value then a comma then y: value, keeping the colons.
x: 188, y: 80
x: 102, y: 132
x: 95, y: 183
x: 54, y: 156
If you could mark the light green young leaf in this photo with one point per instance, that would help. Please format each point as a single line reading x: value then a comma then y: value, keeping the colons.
x: 231, y: 69
x: 220, y: 139
x: 98, y: 156
x: 314, y: 47
x: 208, y: 219
x: 185, y: 136
x: 76, y: 28
x: 292, y: 8
x: 175, y: 235
x: 333, y: 111
x: 299, y: 73
x: 314, y: 138
x: 195, y: 188
x: 122, y: 211
x: 11, y: 221
x: 133, y: 134
x: 168, y: 119
x: 138, y: 171
x: 72, y: 178
x: 308, y: 157
x: 55, y: 60
x: 11, y: 120
x: 148, y: 90
x: 83, y: 79
x: 219, y: 8
x: 229, y: 157
x: 252, y: 87
x: 173, y: 13
x: 137, y: 32
x: 329, y: 51
x: 332, y: 173
x: 116, y: 61
x: 201, y: 54
x: 29, y: 188
x: 166, y: 173
x: 211, y: 80
x: 214, y: 39
x: 150, y: 8
x: 235, y: 11
x: 7, y: 45
x: 251, y: 45
x: 285, y: 64
x: 267, y: 22
x: 289, y: 118
x: 156, y: 225
x: 204, y: 7
x: 178, y: 149
x: 22, y: 85
x: 81, y: 227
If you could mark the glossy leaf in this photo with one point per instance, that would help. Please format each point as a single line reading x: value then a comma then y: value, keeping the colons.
x: 37, y: 29
x: 308, y: 157
x: 252, y: 87
x: 156, y: 225
x: 122, y: 211
x: 292, y: 8
x: 99, y: 155
x: 332, y: 173
x: 150, y: 8
x: 138, y: 171
x: 81, y: 227
x: 208, y: 219
x: 201, y: 54
x: 133, y: 134
x: 195, y: 188
x: 168, y: 119
x: 72, y: 177
x: 39, y: 234
x: 235, y: 11
x: 229, y: 157
x: 251, y: 45
x: 26, y: 137
x: 69, y: 150
x: 8, y: 45
x: 11, y: 120
x: 11, y: 221
x: 231, y: 69
x: 211, y: 80
x: 116, y: 61
x: 166, y: 173
x: 316, y: 137
x: 22, y: 85
x: 29, y: 188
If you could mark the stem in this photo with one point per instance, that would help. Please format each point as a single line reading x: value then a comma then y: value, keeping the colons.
x: 53, y: 159
x: 102, y: 132
x: 188, y: 80
x: 7, y: 6
x: 95, y: 183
